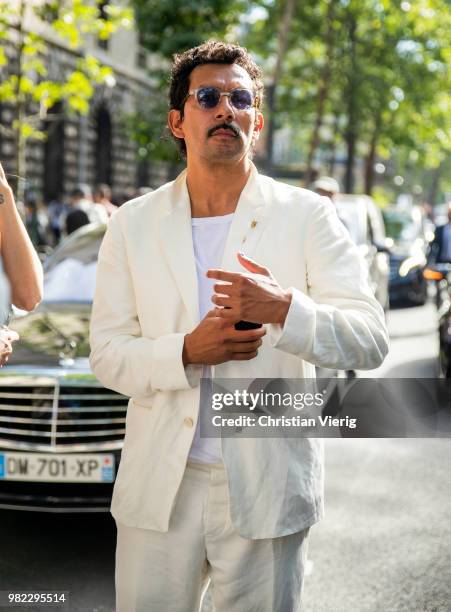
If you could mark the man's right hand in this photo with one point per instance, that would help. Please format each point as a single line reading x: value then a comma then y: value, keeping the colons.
x: 215, y: 340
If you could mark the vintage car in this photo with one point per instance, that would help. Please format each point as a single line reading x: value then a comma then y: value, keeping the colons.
x: 61, y: 431
x: 365, y: 224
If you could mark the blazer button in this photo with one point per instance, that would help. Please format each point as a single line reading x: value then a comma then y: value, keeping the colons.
x: 188, y: 421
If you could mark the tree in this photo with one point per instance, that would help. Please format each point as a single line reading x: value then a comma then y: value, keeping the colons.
x: 27, y: 86
x: 166, y: 28
x: 366, y: 77
x: 283, y: 36
x: 171, y: 26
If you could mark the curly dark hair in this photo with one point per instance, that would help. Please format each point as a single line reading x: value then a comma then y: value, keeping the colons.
x: 210, y: 52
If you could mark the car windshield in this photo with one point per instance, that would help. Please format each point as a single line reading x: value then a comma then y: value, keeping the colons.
x: 70, y: 272
x: 400, y: 227
x: 349, y: 214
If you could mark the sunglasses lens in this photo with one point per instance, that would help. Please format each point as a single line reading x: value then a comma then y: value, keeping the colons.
x: 208, y: 97
x: 242, y: 98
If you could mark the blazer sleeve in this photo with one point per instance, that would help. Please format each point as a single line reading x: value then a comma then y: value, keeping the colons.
x: 339, y: 324
x: 121, y: 357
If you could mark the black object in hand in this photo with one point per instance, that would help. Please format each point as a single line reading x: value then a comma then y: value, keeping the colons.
x: 243, y: 325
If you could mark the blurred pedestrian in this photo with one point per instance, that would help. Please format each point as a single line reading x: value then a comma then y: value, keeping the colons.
x: 36, y: 222
x: 125, y: 196
x: 81, y: 199
x: 440, y: 250
x: 326, y: 186
x: 102, y: 197
x: 74, y: 220
x: 57, y: 211
x: 143, y: 190
x: 83, y: 210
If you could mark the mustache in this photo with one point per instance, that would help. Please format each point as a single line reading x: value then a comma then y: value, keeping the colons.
x: 223, y: 126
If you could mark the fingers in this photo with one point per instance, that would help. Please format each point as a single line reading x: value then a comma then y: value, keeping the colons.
x: 229, y: 277
x: 13, y: 336
x: 252, y: 265
x: 8, y: 335
x: 221, y: 301
x: 4, y: 354
x: 243, y: 356
x: 223, y: 288
x: 246, y: 347
x: 211, y: 313
x: 246, y: 335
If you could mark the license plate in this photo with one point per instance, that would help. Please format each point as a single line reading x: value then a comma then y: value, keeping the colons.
x: 46, y: 467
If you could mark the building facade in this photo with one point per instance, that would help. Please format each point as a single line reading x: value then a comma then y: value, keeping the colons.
x: 95, y: 148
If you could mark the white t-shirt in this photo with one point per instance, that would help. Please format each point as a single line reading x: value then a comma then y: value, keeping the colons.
x: 209, y: 239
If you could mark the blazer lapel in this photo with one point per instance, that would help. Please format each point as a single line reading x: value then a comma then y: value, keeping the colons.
x: 250, y: 219
x: 177, y: 244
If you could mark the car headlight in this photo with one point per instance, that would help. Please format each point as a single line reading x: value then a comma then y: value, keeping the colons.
x: 410, y: 263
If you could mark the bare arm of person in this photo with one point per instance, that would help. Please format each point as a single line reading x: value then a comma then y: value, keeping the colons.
x: 20, y: 260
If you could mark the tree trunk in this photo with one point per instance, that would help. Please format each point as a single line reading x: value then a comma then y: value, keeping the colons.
x: 282, y: 44
x: 371, y: 156
x: 351, y: 130
x: 20, y: 109
x: 333, y: 147
x: 323, y: 93
x: 434, y: 189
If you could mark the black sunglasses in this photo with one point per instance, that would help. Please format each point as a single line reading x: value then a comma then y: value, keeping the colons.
x: 209, y: 97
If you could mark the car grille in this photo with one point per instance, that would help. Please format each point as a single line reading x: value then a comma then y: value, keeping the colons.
x: 394, y: 268
x: 61, y: 418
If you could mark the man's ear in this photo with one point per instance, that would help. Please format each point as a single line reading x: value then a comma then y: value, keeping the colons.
x: 175, y: 123
x: 258, y: 125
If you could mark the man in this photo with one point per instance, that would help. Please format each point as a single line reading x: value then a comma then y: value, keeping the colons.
x: 188, y: 507
x: 57, y: 211
x: 83, y: 210
x: 440, y: 250
x: 102, y: 197
x: 326, y: 186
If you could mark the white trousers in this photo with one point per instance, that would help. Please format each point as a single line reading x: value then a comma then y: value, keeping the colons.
x: 169, y: 572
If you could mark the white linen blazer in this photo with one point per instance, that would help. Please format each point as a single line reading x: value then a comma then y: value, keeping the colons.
x: 146, y: 300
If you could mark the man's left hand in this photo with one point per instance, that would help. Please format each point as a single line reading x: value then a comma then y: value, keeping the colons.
x: 7, y: 337
x: 255, y: 296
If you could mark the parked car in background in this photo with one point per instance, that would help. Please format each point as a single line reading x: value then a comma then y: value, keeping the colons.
x: 407, y: 255
x: 440, y: 214
x: 61, y: 431
x: 365, y: 224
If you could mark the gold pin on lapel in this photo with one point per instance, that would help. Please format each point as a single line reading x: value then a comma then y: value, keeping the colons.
x: 253, y: 224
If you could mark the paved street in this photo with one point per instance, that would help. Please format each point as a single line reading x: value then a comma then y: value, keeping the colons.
x: 385, y: 544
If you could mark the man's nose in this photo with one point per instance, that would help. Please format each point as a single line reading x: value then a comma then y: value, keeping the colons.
x: 225, y: 108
